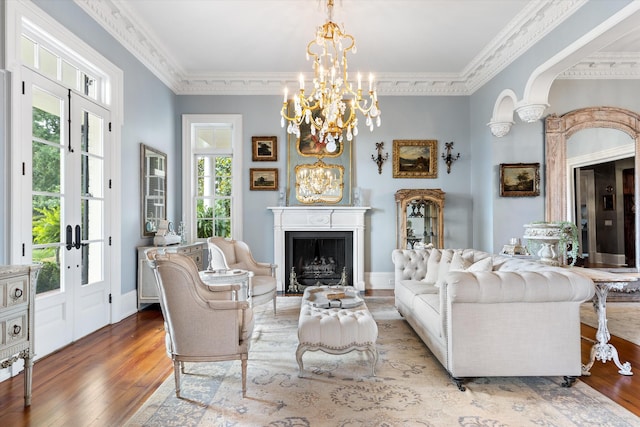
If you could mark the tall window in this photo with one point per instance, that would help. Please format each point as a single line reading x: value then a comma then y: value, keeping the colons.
x: 212, y: 160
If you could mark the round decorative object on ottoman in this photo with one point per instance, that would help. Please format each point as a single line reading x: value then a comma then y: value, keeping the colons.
x: 324, y: 326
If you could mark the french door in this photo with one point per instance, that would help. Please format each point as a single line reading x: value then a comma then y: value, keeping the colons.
x: 69, y: 210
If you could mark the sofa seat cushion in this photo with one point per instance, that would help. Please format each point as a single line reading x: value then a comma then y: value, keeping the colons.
x: 427, y: 309
x: 406, y: 290
x: 418, y: 287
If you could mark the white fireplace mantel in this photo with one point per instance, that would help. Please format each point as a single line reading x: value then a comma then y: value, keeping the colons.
x: 319, y: 218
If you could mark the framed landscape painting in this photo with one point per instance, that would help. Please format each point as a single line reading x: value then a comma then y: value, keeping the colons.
x: 264, y: 148
x: 415, y: 158
x: 519, y: 179
x: 263, y: 179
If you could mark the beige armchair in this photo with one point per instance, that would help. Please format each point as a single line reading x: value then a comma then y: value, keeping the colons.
x: 202, y: 324
x: 230, y: 254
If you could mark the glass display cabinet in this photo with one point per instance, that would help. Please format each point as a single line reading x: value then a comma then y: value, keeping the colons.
x: 420, y: 218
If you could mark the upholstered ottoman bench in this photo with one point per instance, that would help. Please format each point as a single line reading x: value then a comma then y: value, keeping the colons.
x: 335, y: 321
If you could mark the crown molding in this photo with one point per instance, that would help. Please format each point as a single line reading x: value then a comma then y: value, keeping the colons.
x: 606, y: 65
x: 536, y: 20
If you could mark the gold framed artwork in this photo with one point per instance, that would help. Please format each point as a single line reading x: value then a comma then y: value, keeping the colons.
x: 319, y: 183
x: 415, y: 158
x: 264, y: 148
x: 519, y: 179
x: 263, y: 179
x: 305, y: 159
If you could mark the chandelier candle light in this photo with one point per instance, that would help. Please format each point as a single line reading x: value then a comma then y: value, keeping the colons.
x: 330, y: 109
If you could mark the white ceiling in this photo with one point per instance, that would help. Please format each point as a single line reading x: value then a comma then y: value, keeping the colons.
x: 447, y: 47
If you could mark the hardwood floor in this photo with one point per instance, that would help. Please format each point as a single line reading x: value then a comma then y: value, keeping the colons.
x: 102, y: 379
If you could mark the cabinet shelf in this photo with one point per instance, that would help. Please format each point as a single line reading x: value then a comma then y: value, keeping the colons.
x: 419, y: 217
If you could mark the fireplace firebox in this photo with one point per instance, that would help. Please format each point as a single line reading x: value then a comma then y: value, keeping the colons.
x: 318, y: 258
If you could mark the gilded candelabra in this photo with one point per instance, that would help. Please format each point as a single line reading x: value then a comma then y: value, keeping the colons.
x: 380, y: 159
x: 449, y: 158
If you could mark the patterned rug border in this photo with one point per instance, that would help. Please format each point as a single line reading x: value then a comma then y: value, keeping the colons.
x: 411, y: 387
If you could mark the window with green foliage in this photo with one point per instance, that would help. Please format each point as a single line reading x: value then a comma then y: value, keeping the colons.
x: 213, y: 199
x: 212, y: 161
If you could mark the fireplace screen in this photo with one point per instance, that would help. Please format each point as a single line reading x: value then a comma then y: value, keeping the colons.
x: 317, y: 258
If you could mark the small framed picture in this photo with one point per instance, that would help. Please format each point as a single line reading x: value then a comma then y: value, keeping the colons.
x: 264, y: 148
x: 609, y: 202
x: 519, y: 179
x: 415, y: 158
x: 263, y: 179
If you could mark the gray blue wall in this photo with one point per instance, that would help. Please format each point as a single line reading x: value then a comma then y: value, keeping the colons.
x: 475, y: 216
x: 495, y: 218
x: 441, y: 118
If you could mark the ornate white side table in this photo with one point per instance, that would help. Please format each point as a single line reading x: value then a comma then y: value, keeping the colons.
x: 230, y: 277
x: 602, y: 349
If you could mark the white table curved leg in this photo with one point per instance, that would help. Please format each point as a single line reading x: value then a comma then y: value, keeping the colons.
x: 602, y: 349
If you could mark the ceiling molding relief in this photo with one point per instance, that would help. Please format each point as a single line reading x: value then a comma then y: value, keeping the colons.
x: 533, y: 23
x: 113, y: 16
x: 536, y: 20
x: 618, y: 65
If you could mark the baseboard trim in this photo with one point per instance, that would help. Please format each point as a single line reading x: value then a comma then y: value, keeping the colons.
x: 382, y: 280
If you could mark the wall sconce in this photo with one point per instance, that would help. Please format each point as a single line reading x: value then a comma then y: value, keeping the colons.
x: 449, y: 158
x: 380, y: 159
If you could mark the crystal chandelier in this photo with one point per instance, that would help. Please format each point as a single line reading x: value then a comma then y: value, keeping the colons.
x: 330, y: 109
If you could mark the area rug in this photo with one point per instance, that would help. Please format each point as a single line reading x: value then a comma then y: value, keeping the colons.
x: 623, y: 319
x: 411, y: 388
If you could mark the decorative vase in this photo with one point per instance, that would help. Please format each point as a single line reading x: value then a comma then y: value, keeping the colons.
x: 546, y: 236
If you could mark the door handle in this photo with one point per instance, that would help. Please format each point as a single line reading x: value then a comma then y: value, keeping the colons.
x: 78, y: 244
x: 69, y: 237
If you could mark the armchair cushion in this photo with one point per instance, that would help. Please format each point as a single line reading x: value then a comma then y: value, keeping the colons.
x: 235, y: 254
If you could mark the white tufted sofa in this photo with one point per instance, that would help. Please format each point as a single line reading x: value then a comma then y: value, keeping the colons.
x: 484, y: 315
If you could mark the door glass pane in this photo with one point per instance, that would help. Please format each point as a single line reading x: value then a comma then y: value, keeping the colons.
x: 46, y: 116
x: 92, y: 176
x: 93, y: 128
x: 46, y: 232
x: 92, y: 271
x: 92, y: 211
x: 46, y: 167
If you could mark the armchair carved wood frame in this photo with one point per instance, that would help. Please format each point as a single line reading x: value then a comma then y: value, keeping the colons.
x: 202, y: 324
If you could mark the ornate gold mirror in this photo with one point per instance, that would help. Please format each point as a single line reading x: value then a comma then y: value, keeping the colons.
x: 153, y: 189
